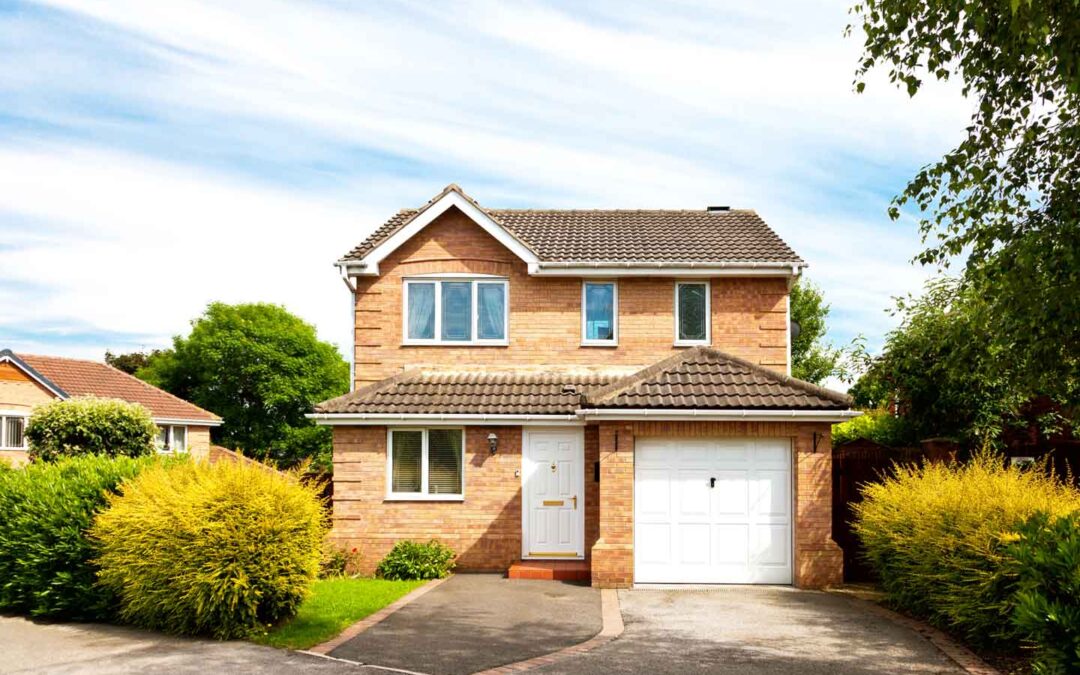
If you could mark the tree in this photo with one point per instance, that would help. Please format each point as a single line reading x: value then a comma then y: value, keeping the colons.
x: 1008, y: 196
x: 261, y: 369
x: 812, y: 359
x: 131, y: 362
x: 90, y: 426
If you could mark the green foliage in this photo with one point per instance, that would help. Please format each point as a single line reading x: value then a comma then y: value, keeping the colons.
x: 90, y: 426
x: 222, y: 549
x: 937, y: 535
x: 333, y: 606
x: 944, y: 379
x: 337, y: 561
x: 131, y: 362
x: 812, y: 359
x: 45, y: 557
x: 260, y: 368
x: 1006, y: 198
x: 414, y: 560
x: 1046, y: 558
x: 876, y: 425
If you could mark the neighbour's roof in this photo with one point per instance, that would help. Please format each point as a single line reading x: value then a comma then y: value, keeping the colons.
x: 698, y: 378
x: 707, y: 379
x: 492, y: 393
x: 78, y: 377
x: 622, y: 235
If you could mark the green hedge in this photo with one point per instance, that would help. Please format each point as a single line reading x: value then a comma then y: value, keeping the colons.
x: 957, y: 544
x: 45, y: 510
x: 223, y: 549
x: 414, y: 560
x: 90, y: 426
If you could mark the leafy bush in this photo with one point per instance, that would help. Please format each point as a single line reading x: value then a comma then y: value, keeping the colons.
x: 222, y: 549
x: 1046, y: 558
x: 413, y: 560
x: 337, y: 561
x: 45, y: 557
x: 876, y: 425
x: 90, y: 426
x: 936, y: 535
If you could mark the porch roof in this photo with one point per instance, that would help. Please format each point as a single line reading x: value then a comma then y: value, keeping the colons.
x: 693, y: 379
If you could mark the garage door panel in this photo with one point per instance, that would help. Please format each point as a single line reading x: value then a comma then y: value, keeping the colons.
x: 738, y: 531
x: 653, y: 494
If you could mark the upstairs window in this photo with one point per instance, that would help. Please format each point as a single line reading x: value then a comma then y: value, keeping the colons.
x: 426, y: 464
x: 456, y: 311
x: 12, y: 428
x: 599, y: 313
x: 172, y: 438
x: 692, y: 313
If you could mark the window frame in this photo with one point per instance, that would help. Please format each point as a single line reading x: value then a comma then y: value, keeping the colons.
x: 170, y: 444
x: 614, y: 341
x: 680, y: 342
x: 5, y: 415
x: 423, y: 495
x: 474, y: 281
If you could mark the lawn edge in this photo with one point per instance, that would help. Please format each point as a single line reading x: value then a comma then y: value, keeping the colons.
x: 611, y: 628
x: 968, y: 660
x: 370, y: 620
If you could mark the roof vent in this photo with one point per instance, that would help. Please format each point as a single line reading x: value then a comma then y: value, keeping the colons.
x: 711, y: 209
x: 569, y: 389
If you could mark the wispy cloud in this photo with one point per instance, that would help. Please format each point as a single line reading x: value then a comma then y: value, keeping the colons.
x: 156, y: 156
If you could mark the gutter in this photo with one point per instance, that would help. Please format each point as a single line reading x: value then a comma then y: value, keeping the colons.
x: 584, y: 415
x: 333, y: 419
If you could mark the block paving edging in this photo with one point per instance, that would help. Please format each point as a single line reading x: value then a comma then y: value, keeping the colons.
x: 968, y: 660
x: 612, y: 628
x: 367, y: 622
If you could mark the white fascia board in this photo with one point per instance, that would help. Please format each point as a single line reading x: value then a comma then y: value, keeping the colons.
x: 49, y: 386
x: 833, y: 416
x: 679, y: 269
x: 178, y: 421
x: 381, y: 419
x: 369, y: 265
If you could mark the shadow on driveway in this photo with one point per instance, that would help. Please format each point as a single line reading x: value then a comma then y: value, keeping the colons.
x: 478, y: 621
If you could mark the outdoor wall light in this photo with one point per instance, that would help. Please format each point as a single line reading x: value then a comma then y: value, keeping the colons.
x: 493, y: 442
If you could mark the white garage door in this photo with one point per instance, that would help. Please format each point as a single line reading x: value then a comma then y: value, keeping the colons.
x: 712, y: 511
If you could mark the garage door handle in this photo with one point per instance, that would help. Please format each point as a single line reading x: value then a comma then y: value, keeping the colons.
x: 712, y: 482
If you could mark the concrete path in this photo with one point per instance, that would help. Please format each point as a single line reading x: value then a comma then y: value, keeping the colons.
x: 34, y: 647
x: 751, y: 630
x: 478, y: 621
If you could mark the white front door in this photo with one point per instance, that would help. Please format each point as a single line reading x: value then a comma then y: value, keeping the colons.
x: 553, y: 489
x: 712, y: 511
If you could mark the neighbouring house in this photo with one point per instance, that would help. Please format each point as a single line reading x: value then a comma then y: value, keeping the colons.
x: 602, y: 392
x: 27, y: 380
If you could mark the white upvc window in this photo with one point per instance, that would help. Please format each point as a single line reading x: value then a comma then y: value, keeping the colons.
x: 599, y: 313
x: 456, y: 310
x: 693, y: 315
x: 172, y: 438
x: 13, y: 431
x: 425, y: 464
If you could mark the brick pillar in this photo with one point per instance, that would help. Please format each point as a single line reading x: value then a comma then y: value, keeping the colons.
x: 819, y: 562
x: 613, y: 553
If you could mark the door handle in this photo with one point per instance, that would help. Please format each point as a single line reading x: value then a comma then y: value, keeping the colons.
x: 575, y: 502
x: 712, y: 482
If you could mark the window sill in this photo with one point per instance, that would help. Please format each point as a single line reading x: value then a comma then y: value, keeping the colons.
x: 423, y: 498
x: 413, y: 343
x: 599, y: 344
x: 693, y: 343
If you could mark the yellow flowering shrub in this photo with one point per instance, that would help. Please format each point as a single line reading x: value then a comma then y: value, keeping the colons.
x: 221, y: 550
x: 937, y: 534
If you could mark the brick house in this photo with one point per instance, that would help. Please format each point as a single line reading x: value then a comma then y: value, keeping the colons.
x: 600, y: 392
x: 27, y: 380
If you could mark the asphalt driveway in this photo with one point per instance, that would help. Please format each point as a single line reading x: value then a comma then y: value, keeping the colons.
x: 478, y: 621
x: 751, y: 630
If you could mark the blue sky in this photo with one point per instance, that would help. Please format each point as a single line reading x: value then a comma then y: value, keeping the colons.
x: 155, y: 156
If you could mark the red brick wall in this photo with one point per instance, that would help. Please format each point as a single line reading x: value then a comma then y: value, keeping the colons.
x: 748, y: 314
x: 484, y: 530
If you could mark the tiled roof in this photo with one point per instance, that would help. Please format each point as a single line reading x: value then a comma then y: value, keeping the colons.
x: 706, y: 379
x: 90, y: 378
x: 418, y: 392
x: 623, y: 235
x: 698, y: 378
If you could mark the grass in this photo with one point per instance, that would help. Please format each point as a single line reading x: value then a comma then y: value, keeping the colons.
x: 334, y: 605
